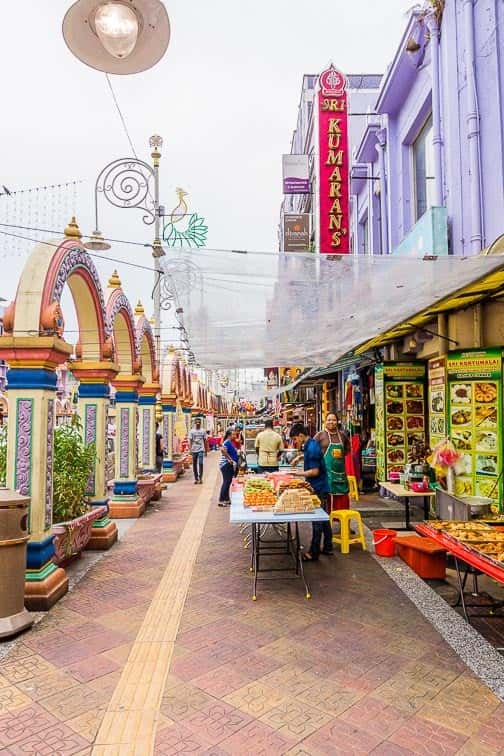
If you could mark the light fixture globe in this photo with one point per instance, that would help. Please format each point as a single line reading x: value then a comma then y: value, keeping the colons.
x: 117, y: 36
x: 97, y: 243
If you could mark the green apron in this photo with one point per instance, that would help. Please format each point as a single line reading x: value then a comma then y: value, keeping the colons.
x: 335, y: 464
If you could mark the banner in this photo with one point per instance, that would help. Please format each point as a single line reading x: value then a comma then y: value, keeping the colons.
x: 296, y: 232
x: 296, y: 174
x: 271, y: 375
x: 334, y: 162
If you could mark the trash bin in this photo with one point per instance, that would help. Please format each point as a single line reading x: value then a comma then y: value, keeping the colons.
x: 13, y: 537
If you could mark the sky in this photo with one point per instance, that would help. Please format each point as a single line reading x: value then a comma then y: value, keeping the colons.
x: 224, y: 98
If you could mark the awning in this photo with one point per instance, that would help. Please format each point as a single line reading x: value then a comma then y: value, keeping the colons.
x: 489, y: 287
x: 319, y: 375
x: 253, y: 309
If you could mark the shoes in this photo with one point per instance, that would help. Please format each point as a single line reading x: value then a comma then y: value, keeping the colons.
x: 196, y: 482
x: 200, y: 482
x: 224, y: 503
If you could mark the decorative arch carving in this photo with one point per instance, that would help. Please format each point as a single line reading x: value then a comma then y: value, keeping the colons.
x: 146, y: 347
x: 118, y: 306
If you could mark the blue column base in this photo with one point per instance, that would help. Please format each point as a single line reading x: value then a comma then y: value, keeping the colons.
x: 104, y: 503
x: 167, y: 464
x: 39, y: 553
x: 125, y: 487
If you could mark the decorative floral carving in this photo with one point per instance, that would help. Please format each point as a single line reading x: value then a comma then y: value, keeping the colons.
x: 49, y: 464
x: 166, y: 432
x: 23, y: 446
x: 146, y: 432
x: 124, y: 443
x: 121, y: 302
x: 75, y: 258
x: 90, y: 438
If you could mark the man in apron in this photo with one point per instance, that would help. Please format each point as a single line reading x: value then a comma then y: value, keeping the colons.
x: 335, y: 446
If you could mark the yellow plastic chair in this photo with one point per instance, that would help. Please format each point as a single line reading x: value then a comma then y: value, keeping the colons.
x: 353, y: 488
x: 344, y: 539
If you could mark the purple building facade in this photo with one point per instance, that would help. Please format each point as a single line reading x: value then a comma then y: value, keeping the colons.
x: 428, y: 174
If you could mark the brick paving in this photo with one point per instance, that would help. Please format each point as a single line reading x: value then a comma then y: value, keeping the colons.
x: 354, y: 670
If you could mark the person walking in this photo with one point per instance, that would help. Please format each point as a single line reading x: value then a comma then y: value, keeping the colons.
x: 269, y: 446
x: 316, y: 474
x: 159, y: 449
x: 227, y: 464
x: 198, y: 444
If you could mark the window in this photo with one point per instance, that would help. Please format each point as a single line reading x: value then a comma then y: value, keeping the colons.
x: 423, y: 170
x: 364, y: 227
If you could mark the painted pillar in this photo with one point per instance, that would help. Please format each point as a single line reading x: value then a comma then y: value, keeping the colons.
x: 94, y: 401
x: 437, y: 140
x: 380, y: 147
x: 147, y: 427
x: 125, y: 500
x: 32, y: 414
x: 473, y: 130
x: 187, y: 418
x: 168, y: 403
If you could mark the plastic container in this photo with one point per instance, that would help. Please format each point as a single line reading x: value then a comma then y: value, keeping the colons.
x: 425, y: 556
x: 384, y: 542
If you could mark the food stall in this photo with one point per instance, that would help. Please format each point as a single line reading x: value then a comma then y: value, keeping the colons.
x: 400, y: 414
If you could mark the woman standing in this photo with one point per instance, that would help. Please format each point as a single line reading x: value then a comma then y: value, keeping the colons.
x: 227, y: 464
x: 335, y: 446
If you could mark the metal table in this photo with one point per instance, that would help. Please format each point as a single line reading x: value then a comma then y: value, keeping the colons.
x: 463, y: 552
x: 289, y: 546
x: 407, y: 494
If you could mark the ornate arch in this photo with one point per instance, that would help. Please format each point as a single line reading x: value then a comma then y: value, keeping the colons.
x: 121, y: 322
x: 146, y: 347
x: 36, y: 309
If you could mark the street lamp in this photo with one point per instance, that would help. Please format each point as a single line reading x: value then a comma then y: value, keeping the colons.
x: 117, y: 36
x: 133, y: 183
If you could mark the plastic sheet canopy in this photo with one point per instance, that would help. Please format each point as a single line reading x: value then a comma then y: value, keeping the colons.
x: 260, y: 309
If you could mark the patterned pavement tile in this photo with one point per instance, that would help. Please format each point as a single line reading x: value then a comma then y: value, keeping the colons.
x: 256, y: 698
x: 19, y: 651
x: 375, y: 716
x: 119, y: 654
x: 66, y: 705
x: 215, y: 722
x: 428, y: 738
x: 255, y: 739
x: 295, y: 720
x: 91, y: 668
x: 391, y: 749
x: 57, y: 740
x: 12, y: 698
x: 106, y: 683
x: 292, y: 680
x: 339, y: 738
x: 462, y: 706
x: 328, y: 696
x: 222, y: 681
x: 180, y: 700
x: 88, y: 723
x: 23, y: 723
x: 25, y: 668
x: 47, y: 685
x: 177, y: 739
x: 209, y: 658
x: 414, y: 686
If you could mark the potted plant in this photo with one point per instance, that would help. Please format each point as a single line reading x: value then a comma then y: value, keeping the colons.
x: 73, y: 517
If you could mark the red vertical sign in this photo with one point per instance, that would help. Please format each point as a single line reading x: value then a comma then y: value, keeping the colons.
x: 334, y: 163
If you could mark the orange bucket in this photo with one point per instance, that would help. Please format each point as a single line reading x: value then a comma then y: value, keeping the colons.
x: 384, y: 542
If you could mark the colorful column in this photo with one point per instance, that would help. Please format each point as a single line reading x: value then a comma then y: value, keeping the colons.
x: 147, y: 427
x: 32, y: 392
x: 94, y: 401
x: 188, y: 418
x: 169, y: 413
x: 125, y: 500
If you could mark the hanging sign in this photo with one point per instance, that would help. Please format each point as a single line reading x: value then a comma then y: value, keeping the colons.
x: 296, y: 174
x: 334, y: 163
x: 296, y: 232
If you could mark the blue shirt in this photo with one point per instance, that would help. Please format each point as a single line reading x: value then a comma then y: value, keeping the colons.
x: 231, y: 450
x: 314, y: 458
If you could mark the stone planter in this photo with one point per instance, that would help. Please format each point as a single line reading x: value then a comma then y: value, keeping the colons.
x: 149, y: 487
x: 72, y: 537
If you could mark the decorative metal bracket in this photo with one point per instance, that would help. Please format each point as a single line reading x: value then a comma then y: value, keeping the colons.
x: 126, y: 183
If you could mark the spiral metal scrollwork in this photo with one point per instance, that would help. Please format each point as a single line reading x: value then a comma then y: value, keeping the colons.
x: 126, y: 183
x: 179, y: 277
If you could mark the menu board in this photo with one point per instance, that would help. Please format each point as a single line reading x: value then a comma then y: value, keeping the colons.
x: 475, y: 420
x: 380, y: 423
x: 403, y: 423
x: 437, y: 402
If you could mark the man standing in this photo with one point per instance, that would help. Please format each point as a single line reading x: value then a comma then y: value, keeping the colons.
x: 335, y: 446
x: 159, y: 450
x: 198, y: 444
x: 268, y: 445
x: 316, y: 475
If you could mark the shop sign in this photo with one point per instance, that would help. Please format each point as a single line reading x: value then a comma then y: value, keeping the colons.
x: 334, y: 162
x: 475, y: 364
x: 437, y: 400
x: 271, y: 375
x: 296, y: 174
x: 404, y: 370
x: 296, y: 232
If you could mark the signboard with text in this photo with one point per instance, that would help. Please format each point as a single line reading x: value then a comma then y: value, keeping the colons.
x: 296, y: 232
x: 334, y: 162
x: 296, y: 174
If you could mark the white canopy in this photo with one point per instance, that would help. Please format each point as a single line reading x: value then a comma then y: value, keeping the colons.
x: 258, y: 309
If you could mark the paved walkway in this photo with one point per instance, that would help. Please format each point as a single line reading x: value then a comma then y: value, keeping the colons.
x: 134, y: 665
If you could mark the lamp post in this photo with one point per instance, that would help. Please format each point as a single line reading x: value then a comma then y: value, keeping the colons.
x: 133, y: 183
x: 117, y: 36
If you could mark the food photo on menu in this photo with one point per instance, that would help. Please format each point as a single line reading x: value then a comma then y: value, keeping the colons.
x: 394, y: 391
x: 485, y: 417
x: 414, y: 407
x: 486, y: 464
x: 395, y: 408
x: 461, y: 393
x: 437, y: 402
x: 486, y: 441
x: 395, y: 423
x: 414, y: 391
x: 461, y: 416
x: 485, y: 392
x: 463, y: 486
x: 462, y: 440
x: 415, y: 423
